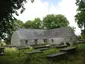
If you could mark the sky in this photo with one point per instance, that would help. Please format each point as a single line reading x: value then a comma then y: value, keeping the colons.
x: 40, y: 8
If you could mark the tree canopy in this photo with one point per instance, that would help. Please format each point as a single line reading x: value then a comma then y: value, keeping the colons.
x: 28, y: 24
x: 35, y: 24
x: 49, y: 22
x: 7, y: 8
x: 55, y: 21
x: 16, y: 25
x: 80, y: 16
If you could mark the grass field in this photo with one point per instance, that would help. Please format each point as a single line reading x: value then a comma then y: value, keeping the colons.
x: 18, y: 57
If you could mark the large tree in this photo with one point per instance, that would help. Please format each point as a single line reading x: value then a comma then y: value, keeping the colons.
x: 16, y: 25
x: 35, y: 24
x: 7, y: 8
x: 55, y: 21
x: 80, y: 16
x: 28, y: 24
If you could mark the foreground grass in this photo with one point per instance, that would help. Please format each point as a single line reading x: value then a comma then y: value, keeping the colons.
x: 78, y: 58
x: 40, y: 58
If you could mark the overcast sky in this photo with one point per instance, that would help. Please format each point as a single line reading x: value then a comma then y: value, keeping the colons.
x: 41, y: 8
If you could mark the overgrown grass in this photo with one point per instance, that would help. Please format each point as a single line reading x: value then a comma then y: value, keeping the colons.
x: 11, y: 51
x: 18, y: 57
x: 51, y: 51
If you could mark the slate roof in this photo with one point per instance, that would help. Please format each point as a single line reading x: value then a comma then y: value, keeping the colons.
x: 44, y: 34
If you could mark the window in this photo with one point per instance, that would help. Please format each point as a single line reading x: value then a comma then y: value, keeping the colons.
x: 35, y: 41
x: 26, y: 41
x: 52, y: 40
x: 70, y: 39
x: 45, y: 41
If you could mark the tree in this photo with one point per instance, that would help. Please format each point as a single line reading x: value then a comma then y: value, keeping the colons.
x: 80, y: 16
x: 61, y: 20
x: 7, y: 8
x: 28, y: 24
x: 48, y: 21
x: 35, y: 24
x: 16, y: 25
x: 55, y: 21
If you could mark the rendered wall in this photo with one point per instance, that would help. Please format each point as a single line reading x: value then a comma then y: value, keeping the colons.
x: 28, y: 43
x: 15, y: 41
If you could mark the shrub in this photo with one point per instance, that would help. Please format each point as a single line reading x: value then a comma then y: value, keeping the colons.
x: 2, y: 44
x: 11, y: 51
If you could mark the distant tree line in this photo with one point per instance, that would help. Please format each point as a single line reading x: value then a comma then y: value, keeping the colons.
x: 50, y: 21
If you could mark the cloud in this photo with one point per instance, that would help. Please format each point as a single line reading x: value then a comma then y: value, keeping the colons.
x: 36, y: 9
x: 41, y: 9
x: 68, y: 9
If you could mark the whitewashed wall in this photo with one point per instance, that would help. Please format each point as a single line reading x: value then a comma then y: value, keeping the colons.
x: 15, y: 41
x: 40, y: 41
x: 28, y: 43
x: 49, y: 41
x: 31, y: 42
x: 58, y: 40
x: 58, y: 36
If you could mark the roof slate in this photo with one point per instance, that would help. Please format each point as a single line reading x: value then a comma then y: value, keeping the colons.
x: 44, y: 34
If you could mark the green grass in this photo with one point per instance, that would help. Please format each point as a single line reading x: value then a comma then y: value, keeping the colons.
x: 40, y: 58
x: 11, y: 52
x: 51, y: 51
x: 81, y: 46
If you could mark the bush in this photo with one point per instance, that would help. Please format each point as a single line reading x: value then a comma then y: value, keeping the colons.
x: 11, y: 51
x: 2, y: 44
